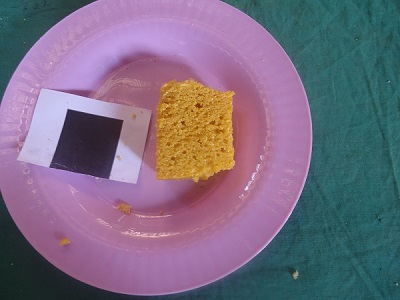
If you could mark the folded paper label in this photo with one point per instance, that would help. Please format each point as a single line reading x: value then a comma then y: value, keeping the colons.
x: 87, y: 136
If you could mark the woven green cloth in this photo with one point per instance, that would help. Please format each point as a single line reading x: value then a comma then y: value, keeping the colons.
x: 343, y: 237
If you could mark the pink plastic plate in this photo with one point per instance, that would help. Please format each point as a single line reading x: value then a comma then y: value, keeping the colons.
x: 181, y: 234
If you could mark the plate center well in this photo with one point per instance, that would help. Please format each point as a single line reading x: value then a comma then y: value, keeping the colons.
x: 138, y: 83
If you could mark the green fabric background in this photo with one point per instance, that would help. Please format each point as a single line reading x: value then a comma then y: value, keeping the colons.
x: 344, y: 235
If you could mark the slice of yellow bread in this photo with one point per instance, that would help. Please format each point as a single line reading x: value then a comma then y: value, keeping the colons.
x: 194, y: 131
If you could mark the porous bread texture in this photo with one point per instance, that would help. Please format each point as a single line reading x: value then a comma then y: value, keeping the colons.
x: 194, y: 131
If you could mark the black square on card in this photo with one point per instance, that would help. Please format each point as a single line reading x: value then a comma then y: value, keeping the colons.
x: 87, y: 144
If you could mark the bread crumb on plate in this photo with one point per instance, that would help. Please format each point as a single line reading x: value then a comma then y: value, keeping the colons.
x: 124, y: 208
x: 65, y: 241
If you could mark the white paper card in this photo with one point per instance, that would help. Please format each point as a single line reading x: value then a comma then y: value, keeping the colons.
x: 77, y: 134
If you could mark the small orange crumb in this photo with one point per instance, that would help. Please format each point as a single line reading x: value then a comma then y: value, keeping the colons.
x: 65, y: 241
x: 119, y: 157
x: 161, y: 213
x: 134, y: 116
x: 124, y: 208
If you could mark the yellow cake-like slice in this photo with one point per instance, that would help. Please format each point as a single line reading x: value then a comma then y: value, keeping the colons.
x: 194, y: 131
